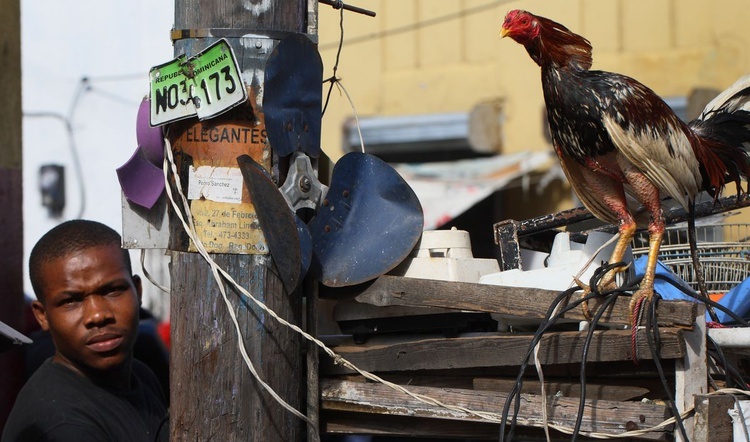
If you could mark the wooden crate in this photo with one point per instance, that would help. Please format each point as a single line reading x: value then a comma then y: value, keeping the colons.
x: 464, y: 381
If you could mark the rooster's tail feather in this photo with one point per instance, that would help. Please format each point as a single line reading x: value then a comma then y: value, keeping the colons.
x: 724, y: 129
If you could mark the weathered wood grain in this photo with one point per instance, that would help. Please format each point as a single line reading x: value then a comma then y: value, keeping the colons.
x: 213, y: 393
x: 214, y: 396
x: 497, y: 350
x: 512, y: 302
x: 425, y: 429
x: 565, y: 389
x: 712, y: 421
x: 611, y: 417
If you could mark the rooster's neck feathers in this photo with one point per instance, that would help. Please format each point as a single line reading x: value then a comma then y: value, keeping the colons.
x: 557, y: 45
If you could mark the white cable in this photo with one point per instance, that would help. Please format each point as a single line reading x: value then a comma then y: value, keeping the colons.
x: 148, y: 275
x: 577, y: 277
x: 337, y: 81
x: 540, y: 373
x: 190, y: 230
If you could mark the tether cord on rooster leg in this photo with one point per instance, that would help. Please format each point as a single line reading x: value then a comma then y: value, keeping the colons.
x: 697, y: 266
x: 514, y: 395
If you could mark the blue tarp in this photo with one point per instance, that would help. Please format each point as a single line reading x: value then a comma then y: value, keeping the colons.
x: 667, y: 282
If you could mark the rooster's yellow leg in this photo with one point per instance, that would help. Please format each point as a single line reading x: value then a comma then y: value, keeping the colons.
x: 648, y: 194
x: 627, y: 230
x: 646, y: 289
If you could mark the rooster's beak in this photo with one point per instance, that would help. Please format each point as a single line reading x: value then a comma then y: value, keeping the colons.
x: 504, y: 32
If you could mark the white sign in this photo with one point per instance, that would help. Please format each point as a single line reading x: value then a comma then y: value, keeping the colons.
x: 220, y: 184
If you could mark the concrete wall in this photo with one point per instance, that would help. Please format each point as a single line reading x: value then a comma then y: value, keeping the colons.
x: 433, y: 56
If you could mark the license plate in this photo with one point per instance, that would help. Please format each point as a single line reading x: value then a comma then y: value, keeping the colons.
x: 204, y: 85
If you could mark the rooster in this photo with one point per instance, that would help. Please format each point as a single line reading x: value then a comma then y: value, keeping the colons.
x: 614, y: 136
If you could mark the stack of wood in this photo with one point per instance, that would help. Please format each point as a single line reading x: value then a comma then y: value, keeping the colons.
x: 476, y: 370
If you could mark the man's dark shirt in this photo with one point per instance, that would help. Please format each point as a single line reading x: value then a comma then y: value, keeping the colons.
x: 57, y: 404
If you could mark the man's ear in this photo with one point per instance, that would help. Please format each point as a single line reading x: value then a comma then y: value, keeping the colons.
x: 138, y: 288
x: 40, y: 314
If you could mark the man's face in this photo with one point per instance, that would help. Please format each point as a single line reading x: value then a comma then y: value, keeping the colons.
x: 90, y: 307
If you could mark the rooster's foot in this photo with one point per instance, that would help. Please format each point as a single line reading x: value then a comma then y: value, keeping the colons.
x: 606, y: 284
x: 637, y: 302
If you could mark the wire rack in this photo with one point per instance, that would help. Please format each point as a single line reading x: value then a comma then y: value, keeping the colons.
x: 724, y: 251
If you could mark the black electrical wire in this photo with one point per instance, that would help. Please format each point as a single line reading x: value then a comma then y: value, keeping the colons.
x: 652, y: 326
x: 730, y: 372
x: 652, y: 334
x: 610, y: 298
x: 420, y: 25
x: 697, y: 266
x: 653, y: 338
x: 333, y: 79
x: 712, y: 366
x: 549, y: 321
x: 717, y: 354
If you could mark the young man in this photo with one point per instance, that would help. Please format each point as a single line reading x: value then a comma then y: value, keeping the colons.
x: 91, y: 389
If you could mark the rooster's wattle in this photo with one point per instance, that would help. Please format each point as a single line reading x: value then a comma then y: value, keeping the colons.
x: 614, y: 136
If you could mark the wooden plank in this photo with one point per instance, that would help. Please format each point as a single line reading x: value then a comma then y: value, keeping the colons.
x: 712, y: 420
x: 497, y: 350
x: 610, y: 417
x: 313, y: 360
x: 691, y: 372
x: 512, y: 302
x: 342, y: 423
x: 430, y: 429
x: 566, y: 389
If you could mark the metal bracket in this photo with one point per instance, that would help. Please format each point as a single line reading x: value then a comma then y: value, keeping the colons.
x: 302, y: 188
x: 338, y: 4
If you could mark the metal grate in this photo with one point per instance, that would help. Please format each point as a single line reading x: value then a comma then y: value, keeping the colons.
x: 724, y: 251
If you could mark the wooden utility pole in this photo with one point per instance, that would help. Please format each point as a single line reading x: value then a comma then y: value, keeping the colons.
x: 11, y: 197
x: 213, y: 394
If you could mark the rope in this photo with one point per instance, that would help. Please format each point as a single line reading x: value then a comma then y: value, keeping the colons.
x: 634, y: 330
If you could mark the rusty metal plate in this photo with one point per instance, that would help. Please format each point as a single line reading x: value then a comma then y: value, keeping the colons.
x: 222, y: 208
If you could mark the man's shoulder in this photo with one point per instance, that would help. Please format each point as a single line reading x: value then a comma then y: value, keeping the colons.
x: 56, y: 400
x: 50, y: 382
x: 49, y: 387
x: 51, y: 402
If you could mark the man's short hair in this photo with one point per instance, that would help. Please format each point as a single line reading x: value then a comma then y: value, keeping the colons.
x: 66, y: 238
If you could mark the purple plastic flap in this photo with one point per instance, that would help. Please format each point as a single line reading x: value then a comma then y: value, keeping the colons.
x: 150, y: 139
x: 141, y: 181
